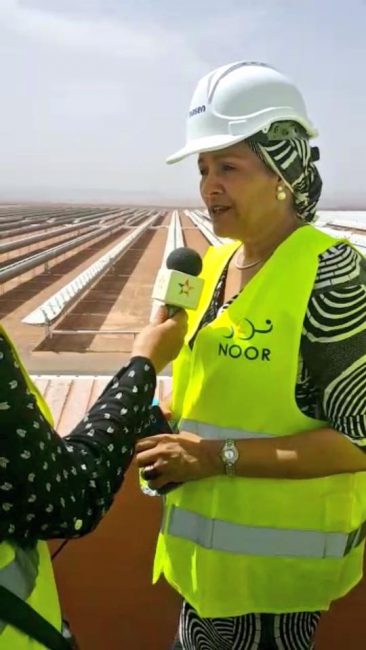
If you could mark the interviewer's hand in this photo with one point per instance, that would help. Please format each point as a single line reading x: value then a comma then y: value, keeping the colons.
x: 178, y: 458
x: 162, y: 339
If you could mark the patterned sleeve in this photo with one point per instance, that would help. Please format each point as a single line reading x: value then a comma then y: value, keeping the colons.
x: 61, y: 487
x: 334, y: 340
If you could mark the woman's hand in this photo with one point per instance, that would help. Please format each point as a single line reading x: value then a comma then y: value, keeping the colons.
x: 176, y: 458
x: 162, y: 339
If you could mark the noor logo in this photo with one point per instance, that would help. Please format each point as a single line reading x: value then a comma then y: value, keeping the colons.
x: 245, y: 331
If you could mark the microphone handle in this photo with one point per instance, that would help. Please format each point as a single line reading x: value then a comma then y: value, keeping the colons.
x: 168, y: 487
x: 172, y: 310
x: 159, y: 424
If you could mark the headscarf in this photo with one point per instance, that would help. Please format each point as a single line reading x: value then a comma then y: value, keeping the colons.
x: 284, y: 148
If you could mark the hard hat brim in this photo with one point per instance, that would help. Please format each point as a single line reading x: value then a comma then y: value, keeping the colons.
x: 217, y: 142
x: 211, y: 143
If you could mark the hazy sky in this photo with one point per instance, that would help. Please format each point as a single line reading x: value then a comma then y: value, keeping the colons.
x: 94, y: 93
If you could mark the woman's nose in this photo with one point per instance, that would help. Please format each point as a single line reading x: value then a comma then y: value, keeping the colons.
x: 210, y: 185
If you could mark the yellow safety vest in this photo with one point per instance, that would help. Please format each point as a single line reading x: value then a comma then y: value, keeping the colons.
x: 232, y: 545
x: 28, y: 573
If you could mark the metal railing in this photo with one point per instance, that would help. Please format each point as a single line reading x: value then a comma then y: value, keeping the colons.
x: 51, y: 331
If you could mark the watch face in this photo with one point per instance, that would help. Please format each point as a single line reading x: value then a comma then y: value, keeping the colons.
x: 229, y: 453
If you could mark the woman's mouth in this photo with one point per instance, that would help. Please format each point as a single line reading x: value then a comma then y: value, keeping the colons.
x: 218, y: 210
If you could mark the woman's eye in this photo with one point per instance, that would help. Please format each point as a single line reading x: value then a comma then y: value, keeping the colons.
x: 223, y: 168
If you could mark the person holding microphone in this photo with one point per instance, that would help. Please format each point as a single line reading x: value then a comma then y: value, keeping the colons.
x: 53, y: 487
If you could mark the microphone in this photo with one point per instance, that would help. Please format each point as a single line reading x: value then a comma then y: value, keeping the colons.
x: 177, y: 285
x: 157, y: 424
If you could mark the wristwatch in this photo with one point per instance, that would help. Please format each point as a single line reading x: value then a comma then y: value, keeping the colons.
x: 229, y: 455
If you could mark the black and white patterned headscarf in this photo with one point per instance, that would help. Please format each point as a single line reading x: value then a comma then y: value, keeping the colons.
x: 285, y: 149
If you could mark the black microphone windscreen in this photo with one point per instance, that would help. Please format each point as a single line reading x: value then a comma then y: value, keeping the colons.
x: 185, y: 260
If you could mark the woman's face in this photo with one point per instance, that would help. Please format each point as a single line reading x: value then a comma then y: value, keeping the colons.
x: 238, y: 190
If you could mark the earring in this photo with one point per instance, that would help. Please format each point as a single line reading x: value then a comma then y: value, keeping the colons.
x: 281, y: 192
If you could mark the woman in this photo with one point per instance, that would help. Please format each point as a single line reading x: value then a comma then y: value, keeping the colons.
x: 268, y: 528
x: 61, y: 487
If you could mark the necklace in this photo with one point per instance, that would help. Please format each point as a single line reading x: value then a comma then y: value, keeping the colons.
x: 241, y: 267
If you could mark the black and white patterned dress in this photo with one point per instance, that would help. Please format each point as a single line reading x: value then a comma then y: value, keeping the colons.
x: 331, y: 385
x: 61, y: 487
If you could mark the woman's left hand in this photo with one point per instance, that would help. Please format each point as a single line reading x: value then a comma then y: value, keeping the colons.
x: 175, y: 458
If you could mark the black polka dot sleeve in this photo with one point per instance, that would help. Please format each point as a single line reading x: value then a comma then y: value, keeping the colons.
x: 61, y: 487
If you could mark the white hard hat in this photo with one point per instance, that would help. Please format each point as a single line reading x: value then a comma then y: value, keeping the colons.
x: 236, y: 101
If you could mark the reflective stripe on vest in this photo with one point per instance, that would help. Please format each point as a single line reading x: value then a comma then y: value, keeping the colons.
x: 219, y: 535
x: 213, y: 432
x: 20, y: 575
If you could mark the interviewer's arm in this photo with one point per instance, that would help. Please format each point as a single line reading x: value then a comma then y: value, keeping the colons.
x: 61, y: 487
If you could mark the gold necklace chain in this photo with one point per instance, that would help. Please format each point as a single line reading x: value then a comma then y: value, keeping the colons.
x: 241, y: 267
